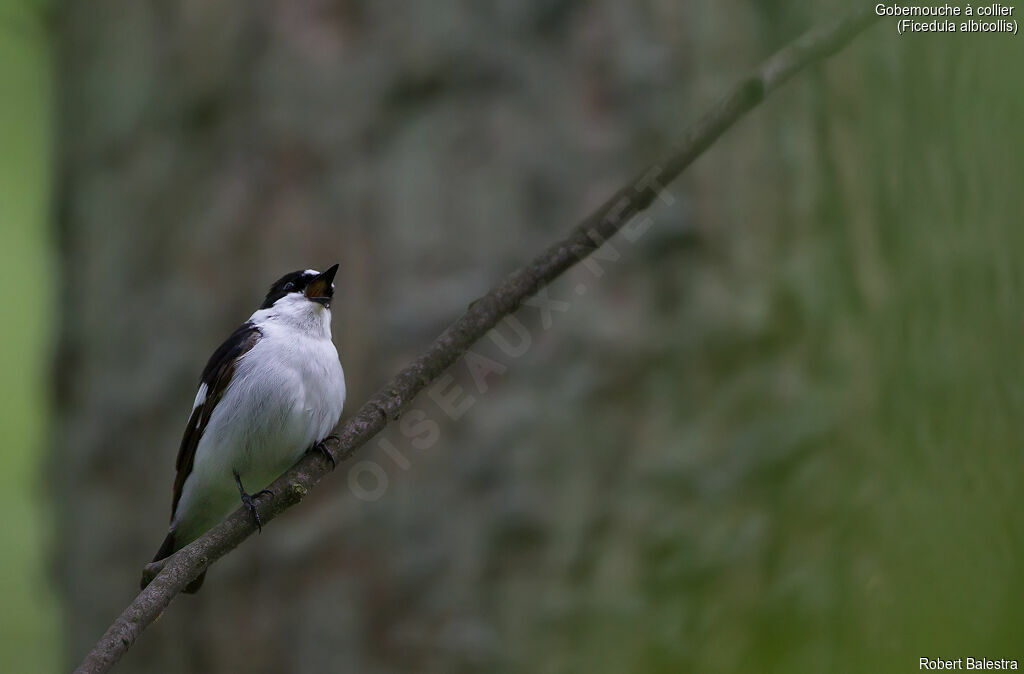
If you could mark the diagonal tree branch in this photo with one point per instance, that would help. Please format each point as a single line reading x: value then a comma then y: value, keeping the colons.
x: 172, y: 575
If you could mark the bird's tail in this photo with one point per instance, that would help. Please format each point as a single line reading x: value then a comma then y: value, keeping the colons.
x: 168, y: 548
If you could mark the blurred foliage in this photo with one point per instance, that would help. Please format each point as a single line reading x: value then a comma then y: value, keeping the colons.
x: 28, y: 619
x: 780, y: 435
x: 841, y: 490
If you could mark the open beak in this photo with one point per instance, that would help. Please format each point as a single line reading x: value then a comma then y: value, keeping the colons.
x: 321, y: 288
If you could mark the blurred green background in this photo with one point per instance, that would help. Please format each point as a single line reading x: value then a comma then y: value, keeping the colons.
x: 781, y: 433
x: 29, y: 618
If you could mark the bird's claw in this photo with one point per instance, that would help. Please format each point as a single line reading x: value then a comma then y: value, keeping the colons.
x: 321, y: 447
x: 249, y: 501
x: 151, y: 570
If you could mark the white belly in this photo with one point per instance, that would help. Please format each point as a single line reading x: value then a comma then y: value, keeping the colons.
x: 286, y: 394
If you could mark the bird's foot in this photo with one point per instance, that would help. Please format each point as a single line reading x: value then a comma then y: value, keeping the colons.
x: 249, y: 500
x: 321, y: 448
x: 150, y: 571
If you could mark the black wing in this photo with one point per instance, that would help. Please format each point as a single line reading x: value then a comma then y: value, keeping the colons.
x: 216, y: 375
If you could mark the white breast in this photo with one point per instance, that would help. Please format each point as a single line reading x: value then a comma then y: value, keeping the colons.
x: 287, y: 393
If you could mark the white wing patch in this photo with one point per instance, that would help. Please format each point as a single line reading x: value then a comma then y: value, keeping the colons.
x: 200, y: 397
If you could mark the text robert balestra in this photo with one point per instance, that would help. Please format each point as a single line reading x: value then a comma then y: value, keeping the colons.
x: 935, y: 664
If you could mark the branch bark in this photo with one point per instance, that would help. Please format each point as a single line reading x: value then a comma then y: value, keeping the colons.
x: 172, y: 575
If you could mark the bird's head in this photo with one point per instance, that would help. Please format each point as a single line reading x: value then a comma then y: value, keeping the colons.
x: 301, y: 289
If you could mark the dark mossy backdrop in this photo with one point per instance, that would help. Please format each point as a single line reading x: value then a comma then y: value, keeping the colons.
x: 778, y: 433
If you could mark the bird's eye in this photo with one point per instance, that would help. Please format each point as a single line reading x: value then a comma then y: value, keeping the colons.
x: 289, y: 285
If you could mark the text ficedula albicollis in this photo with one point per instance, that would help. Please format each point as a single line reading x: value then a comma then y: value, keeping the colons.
x: 272, y: 391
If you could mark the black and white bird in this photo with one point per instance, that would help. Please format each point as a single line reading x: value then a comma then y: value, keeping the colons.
x: 272, y: 391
